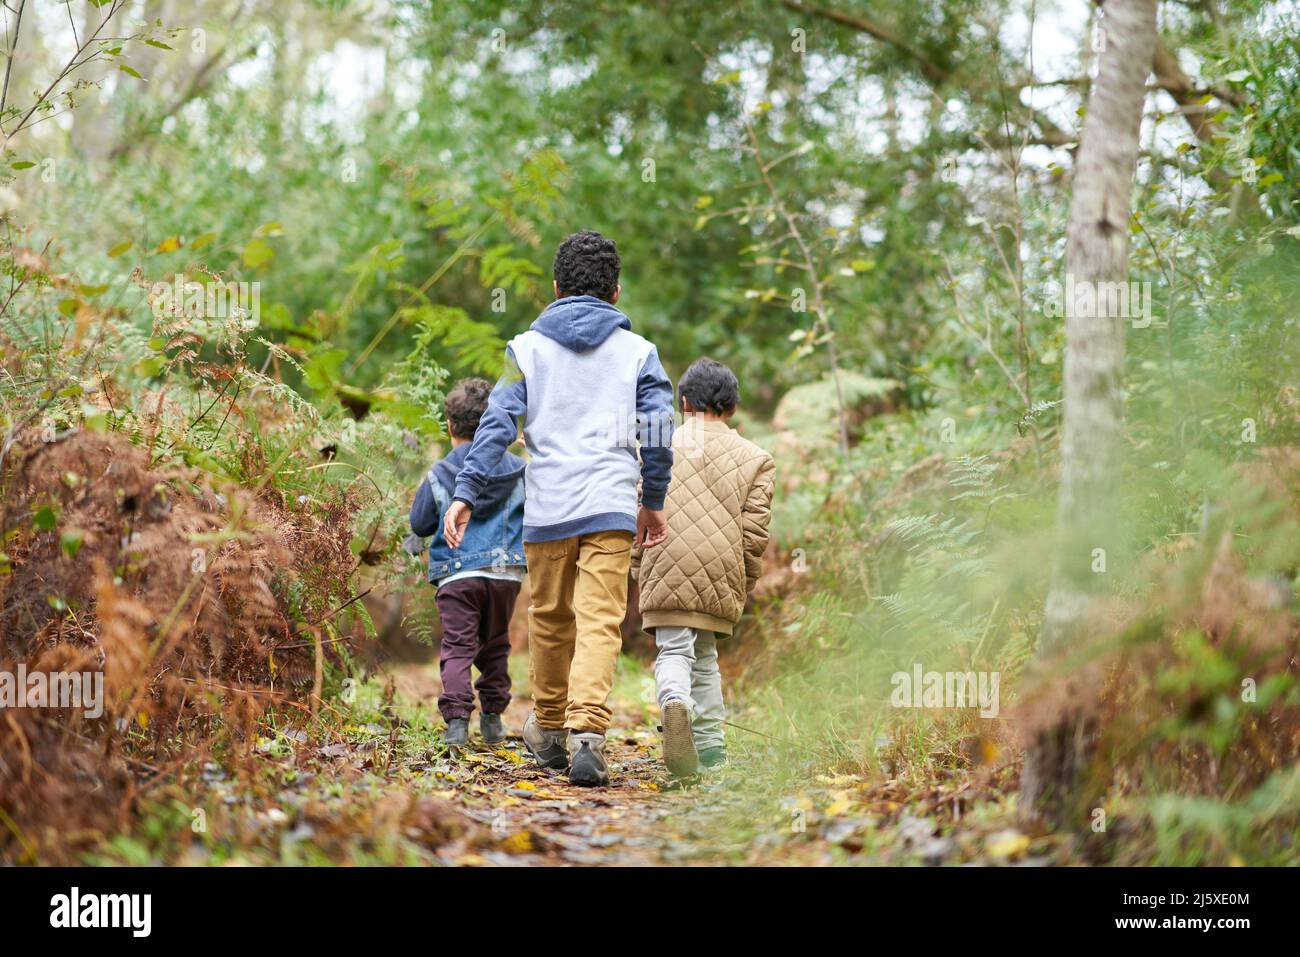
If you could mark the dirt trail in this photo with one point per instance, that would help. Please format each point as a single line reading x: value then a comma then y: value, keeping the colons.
x: 388, y: 791
x: 537, y: 817
x: 529, y: 816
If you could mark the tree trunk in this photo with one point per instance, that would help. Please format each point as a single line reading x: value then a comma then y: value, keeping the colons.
x: 1096, y: 256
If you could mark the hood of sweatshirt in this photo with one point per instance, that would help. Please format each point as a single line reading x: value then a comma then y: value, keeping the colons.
x: 580, y: 323
x: 500, y: 483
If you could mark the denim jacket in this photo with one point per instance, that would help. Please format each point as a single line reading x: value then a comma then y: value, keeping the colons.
x: 494, y: 537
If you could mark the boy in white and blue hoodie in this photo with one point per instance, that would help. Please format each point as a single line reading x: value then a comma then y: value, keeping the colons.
x: 590, y: 394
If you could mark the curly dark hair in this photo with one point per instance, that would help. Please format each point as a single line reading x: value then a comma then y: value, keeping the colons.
x: 710, y: 386
x: 587, y: 264
x: 465, y: 405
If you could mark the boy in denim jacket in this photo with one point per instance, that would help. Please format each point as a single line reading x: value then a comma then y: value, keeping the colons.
x: 478, y: 581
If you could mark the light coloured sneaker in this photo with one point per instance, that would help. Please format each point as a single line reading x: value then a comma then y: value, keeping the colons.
x: 679, y: 742
x: 546, y: 745
x: 587, y: 759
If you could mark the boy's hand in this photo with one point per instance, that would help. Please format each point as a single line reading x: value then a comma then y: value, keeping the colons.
x: 454, y: 523
x: 651, y: 527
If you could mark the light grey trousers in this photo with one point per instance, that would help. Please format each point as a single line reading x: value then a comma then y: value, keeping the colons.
x: 687, y: 668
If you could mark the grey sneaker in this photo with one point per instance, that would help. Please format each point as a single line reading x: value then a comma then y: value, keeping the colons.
x: 679, y: 743
x: 494, y: 731
x: 546, y: 745
x: 457, y: 733
x: 587, y: 759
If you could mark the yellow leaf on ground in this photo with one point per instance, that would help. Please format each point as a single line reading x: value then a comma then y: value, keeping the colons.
x: 511, y: 756
x: 1006, y: 844
x: 521, y: 842
x: 842, y: 805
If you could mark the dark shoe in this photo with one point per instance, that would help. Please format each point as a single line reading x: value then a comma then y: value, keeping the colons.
x: 457, y: 733
x: 713, y: 757
x: 546, y: 745
x: 587, y: 759
x: 494, y: 732
x: 679, y: 743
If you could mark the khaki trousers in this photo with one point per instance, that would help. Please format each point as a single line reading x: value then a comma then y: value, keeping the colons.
x: 579, y: 598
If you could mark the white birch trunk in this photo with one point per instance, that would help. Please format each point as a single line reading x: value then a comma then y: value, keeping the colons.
x: 1096, y: 256
x: 1092, y: 439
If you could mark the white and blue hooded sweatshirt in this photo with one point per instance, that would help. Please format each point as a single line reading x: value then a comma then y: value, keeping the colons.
x: 586, y: 386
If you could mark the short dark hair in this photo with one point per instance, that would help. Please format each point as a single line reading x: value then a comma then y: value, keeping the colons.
x: 587, y: 264
x: 465, y: 405
x: 710, y: 386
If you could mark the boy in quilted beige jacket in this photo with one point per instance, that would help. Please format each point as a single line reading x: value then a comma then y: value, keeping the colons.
x: 693, y: 586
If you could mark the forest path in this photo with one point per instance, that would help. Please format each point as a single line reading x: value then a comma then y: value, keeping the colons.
x: 533, y: 816
x: 376, y: 784
x: 744, y: 814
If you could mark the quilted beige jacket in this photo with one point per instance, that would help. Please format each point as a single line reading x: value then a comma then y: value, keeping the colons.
x: 718, y: 507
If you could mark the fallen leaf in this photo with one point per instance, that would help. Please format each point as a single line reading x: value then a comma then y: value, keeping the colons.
x: 521, y: 842
x: 840, y: 806
x: 1004, y: 844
